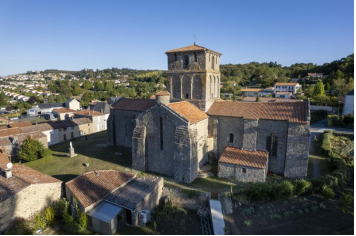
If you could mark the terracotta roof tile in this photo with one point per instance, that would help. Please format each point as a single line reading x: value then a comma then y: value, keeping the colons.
x: 163, y: 93
x: 295, y: 112
x: 63, y: 110
x: 20, y: 124
x: 251, y: 89
x: 264, y: 99
x: 88, y: 113
x: 237, y: 156
x: 192, y: 113
x: 91, y: 187
x: 134, y: 104
x: 192, y: 47
x: 32, y: 176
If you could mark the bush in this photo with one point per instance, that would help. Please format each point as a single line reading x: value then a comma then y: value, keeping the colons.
x: 49, y: 215
x: 46, y: 152
x: 348, y: 119
x: 72, y: 228
x: 257, y: 192
x: 40, y: 221
x: 68, y: 218
x: 248, y: 223
x: 327, y: 192
x: 82, y: 220
x: 332, y: 181
x: 326, y: 144
x: 301, y: 186
x: 287, y: 189
x: 191, y: 193
x: 339, y: 175
x: 20, y: 226
x: 60, y: 208
x: 317, y: 185
x: 30, y: 149
x: 347, y: 199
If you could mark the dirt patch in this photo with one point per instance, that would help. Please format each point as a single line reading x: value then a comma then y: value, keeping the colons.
x: 302, y: 215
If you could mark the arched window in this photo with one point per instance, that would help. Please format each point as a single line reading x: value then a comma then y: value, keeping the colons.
x: 186, y: 61
x: 231, y: 138
x: 272, y: 145
x: 175, y: 56
x: 213, y: 63
x: 195, y: 57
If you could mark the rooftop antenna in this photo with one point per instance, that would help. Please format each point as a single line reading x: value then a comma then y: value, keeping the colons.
x: 194, y: 39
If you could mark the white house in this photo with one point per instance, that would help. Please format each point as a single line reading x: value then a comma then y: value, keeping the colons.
x: 349, y: 103
x: 287, y: 87
x: 285, y: 95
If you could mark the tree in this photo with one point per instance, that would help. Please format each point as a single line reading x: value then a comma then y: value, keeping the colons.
x: 51, y: 99
x: 340, y: 87
x: 30, y: 149
x: 87, y: 85
x: 327, y: 86
x: 60, y: 98
x: 258, y: 98
x: 318, y: 89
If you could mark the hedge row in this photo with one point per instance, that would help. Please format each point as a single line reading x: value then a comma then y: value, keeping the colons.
x: 341, y: 121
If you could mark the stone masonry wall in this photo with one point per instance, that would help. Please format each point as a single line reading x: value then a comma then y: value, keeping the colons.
x: 227, y: 170
x: 250, y: 134
x: 139, y: 148
x: 298, y: 142
x: 28, y: 202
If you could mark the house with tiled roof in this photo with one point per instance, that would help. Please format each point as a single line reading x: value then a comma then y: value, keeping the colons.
x: 287, y: 87
x: 98, y: 119
x: 187, y: 126
x: 112, y: 199
x: 24, y: 191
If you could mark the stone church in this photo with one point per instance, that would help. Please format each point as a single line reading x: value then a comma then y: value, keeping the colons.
x: 187, y: 126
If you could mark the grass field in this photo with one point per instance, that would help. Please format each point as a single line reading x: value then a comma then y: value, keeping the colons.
x: 93, y: 151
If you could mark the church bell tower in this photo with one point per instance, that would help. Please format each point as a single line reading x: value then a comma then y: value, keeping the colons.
x: 194, y: 75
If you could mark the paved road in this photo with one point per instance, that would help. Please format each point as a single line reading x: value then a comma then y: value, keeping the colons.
x: 320, y: 126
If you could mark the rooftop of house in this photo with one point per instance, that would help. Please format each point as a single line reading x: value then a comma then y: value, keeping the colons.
x: 101, y: 107
x: 285, y: 84
x: 190, y: 112
x: 50, y: 105
x: 22, y: 177
x: 295, y: 112
x: 20, y: 124
x: 163, y: 93
x: 88, y: 113
x: 130, y: 195
x: 192, y: 47
x: 251, y: 89
x: 134, y: 104
x: 93, y: 186
x: 238, y: 156
x: 263, y: 99
x: 63, y: 110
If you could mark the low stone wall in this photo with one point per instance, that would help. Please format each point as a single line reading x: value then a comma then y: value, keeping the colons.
x: 177, y: 196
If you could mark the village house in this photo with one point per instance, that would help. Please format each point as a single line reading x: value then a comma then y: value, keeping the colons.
x: 98, y: 119
x: 63, y: 113
x: 112, y: 199
x: 188, y: 126
x: 349, y: 103
x: 287, y: 87
x: 24, y: 191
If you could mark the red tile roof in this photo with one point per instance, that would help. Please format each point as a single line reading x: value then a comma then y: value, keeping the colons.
x: 192, y: 113
x: 20, y: 124
x: 88, y: 113
x: 238, y: 156
x: 264, y: 99
x: 192, y: 47
x: 286, y: 84
x: 163, y: 93
x: 295, y: 112
x: 134, y: 104
x: 91, y: 187
x: 63, y: 110
x: 251, y: 89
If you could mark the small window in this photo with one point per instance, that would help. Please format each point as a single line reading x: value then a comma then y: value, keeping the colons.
x: 244, y: 170
x: 195, y: 57
x: 231, y: 137
x: 72, y: 127
x: 186, y: 95
x: 64, y: 129
x: 175, y: 56
x: 186, y: 61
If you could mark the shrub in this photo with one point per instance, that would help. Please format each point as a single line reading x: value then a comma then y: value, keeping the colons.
x: 40, y: 221
x: 327, y: 192
x: 72, y: 228
x: 191, y: 193
x: 301, y: 186
x: 287, y: 189
x: 68, y: 218
x: 322, y: 206
x: 347, y: 199
x: 275, y: 217
x: 332, y: 181
x: 60, y: 208
x: 46, y: 152
x: 49, y: 215
x: 257, y: 192
x: 30, y: 149
x: 20, y: 226
x: 317, y: 185
x: 248, y: 223
x: 315, y: 208
x: 82, y: 220
x: 348, y: 119
x: 326, y: 144
x: 339, y: 175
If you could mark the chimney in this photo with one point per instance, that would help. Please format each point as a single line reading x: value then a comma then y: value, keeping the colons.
x: 8, y: 173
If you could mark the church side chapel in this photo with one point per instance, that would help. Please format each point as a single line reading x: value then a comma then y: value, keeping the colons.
x: 189, y: 126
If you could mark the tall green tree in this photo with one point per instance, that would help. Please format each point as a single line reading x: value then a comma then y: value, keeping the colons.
x: 318, y: 89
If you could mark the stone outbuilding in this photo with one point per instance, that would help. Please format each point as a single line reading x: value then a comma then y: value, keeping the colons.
x: 243, y: 165
x: 112, y: 199
x: 24, y: 191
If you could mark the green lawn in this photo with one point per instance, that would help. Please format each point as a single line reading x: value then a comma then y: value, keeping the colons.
x: 92, y: 151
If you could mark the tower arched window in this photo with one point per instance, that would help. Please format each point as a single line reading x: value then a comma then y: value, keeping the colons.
x: 195, y: 57
x: 231, y: 138
x: 186, y: 61
x: 272, y: 145
x: 175, y: 56
x: 213, y: 63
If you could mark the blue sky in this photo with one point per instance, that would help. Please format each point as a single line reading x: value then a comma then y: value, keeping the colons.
x: 72, y: 35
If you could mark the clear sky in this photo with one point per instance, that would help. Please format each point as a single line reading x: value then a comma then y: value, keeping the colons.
x: 72, y: 35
